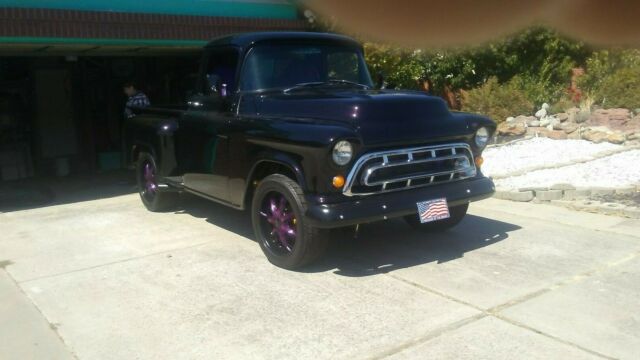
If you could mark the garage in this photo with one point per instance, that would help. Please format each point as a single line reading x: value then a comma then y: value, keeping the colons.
x: 62, y: 69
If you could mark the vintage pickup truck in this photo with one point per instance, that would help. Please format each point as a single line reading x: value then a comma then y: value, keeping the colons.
x: 290, y: 126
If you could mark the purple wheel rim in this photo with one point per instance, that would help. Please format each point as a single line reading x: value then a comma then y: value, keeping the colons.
x: 149, y: 184
x: 278, y: 223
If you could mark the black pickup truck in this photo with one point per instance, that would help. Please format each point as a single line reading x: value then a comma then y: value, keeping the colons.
x: 290, y: 126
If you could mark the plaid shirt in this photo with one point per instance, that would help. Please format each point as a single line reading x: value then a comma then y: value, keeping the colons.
x: 138, y: 101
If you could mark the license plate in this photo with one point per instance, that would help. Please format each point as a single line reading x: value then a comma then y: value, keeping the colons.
x: 433, y: 210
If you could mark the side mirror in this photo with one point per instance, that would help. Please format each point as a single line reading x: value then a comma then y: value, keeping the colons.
x: 380, y: 84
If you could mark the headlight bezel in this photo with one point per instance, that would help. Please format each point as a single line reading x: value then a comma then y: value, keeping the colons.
x: 342, y: 153
x: 481, y: 140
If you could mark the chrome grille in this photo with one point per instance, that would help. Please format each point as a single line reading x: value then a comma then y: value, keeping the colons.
x: 401, y: 169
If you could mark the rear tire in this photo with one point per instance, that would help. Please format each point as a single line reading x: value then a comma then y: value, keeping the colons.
x: 456, y: 213
x: 153, y: 199
x: 281, y: 229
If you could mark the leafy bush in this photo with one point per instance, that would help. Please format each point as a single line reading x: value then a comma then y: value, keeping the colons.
x: 498, y: 101
x: 562, y: 105
x: 621, y: 89
x: 539, y: 58
x: 603, y: 64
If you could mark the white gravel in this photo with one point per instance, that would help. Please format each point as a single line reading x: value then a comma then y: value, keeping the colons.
x: 507, y: 159
x: 618, y: 170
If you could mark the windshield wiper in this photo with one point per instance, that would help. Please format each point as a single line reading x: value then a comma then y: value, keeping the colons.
x: 325, y: 83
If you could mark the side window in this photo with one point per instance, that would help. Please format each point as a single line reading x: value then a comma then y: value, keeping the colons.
x: 223, y: 63
x: 343, y: 66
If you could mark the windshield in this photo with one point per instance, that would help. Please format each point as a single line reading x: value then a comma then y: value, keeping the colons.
x: 283, y: 66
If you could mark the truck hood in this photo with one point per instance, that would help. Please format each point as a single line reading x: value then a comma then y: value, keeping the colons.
x: 377, y: 116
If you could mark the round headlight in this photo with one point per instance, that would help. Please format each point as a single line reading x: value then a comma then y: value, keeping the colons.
x: 482, y: 137
x: 342, y: 153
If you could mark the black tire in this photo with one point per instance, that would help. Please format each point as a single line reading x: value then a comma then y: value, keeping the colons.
x: 307, y: 243
x: 456, y: 213
x: 155, y: 201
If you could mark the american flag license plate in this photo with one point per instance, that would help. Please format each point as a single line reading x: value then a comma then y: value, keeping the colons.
x: 433, y: 210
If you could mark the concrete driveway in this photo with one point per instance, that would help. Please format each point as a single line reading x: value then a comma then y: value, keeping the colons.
x: 105, y: 279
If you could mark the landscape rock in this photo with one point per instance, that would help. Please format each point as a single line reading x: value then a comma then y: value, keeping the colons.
x: 556, y: 135
x: 510, y: 119
x: 582, y: 116
x: 634, y: 136
x: 576, y: 194
x: 525, y: 119
x: 549, y: 195
x: 556, y: 124
x: 569, y: 127
x: 511, y: 129
x: 616, y: 138
x: 562, y: 117
x: 521, y: 196
x: 545, y: 121
x: 614, y: 119
x: 595, y: 136
x: 534, y: 123
x: 562, y: 186
x: 575, y: 136
x: 543, y: 111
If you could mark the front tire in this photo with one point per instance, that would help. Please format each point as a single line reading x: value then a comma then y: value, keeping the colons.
x: 457, y: 213
x: 281, y: 229
x: 153, y: 199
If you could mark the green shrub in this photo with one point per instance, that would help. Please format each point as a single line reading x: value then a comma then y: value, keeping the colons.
x: 603, y: 64
x: 498, y: 101
x: 620, y: 90
x: 562, y: 105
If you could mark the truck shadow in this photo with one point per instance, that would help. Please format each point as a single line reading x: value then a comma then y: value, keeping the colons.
x: 379, y: 247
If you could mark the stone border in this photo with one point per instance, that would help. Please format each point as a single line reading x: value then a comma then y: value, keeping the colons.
x: 596, y: 156
x: 574, y: 198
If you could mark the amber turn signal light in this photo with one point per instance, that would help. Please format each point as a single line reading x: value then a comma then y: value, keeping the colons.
x: 338, y: 181
x: 479, y: 161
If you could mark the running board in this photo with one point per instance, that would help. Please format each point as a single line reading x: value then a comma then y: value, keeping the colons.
x: 171, y: 184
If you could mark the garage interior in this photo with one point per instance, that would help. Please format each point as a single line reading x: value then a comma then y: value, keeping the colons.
x: 62, y: 70
x: 61, y: 114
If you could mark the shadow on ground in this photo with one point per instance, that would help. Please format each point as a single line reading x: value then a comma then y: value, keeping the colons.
x: 40, y: 192
x: 378, y: 248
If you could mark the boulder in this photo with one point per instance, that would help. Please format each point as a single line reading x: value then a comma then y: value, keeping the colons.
x: 545, y: 121
x: 511, y: 129
x: 569, y: 127
x: 534, y: 123
x: 510, y: 119
x: 616, y: 138
x: 556, y: 135
x: 556, y: 124
x: 544, y: 110
x: 574, y: 135
x: 562, y: 117
x: 595, y: 136
x: 582, y: 116
x: 525, y: 119
x: 614, y: 119
x: 633, y: 136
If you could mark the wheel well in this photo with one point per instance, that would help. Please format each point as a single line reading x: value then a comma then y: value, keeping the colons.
x: 261, y: 171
